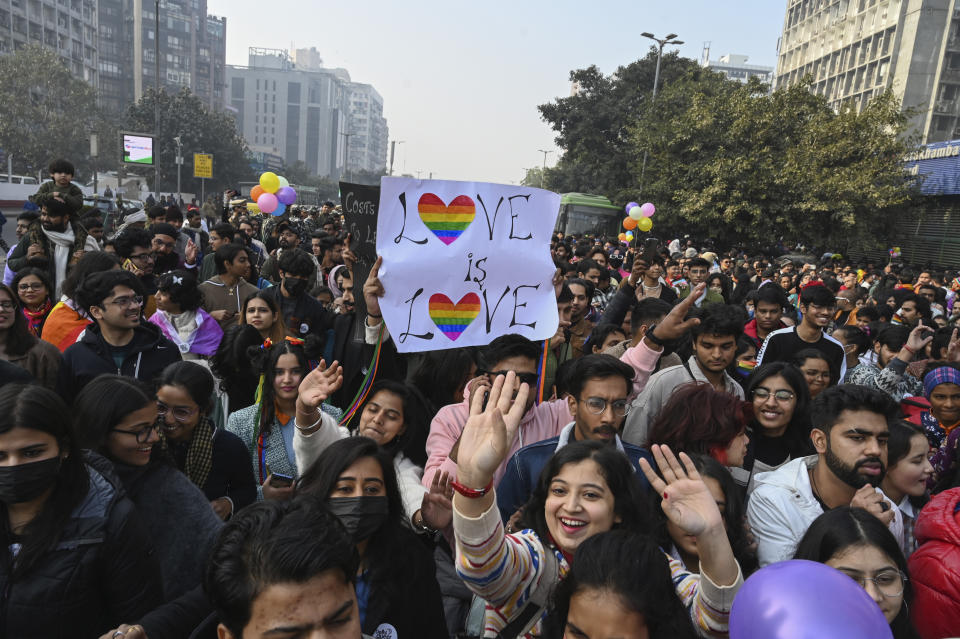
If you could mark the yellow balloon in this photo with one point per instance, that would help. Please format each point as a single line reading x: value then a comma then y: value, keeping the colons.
x: 644, y: 224
x: 269, y: 182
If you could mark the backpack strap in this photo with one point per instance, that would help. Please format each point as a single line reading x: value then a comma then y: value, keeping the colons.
x: 533, y: 610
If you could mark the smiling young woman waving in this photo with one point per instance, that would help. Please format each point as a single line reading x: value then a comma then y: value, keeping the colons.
x: 586, y: 489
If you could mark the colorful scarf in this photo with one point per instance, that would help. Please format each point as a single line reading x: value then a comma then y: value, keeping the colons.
x: 35, y: 318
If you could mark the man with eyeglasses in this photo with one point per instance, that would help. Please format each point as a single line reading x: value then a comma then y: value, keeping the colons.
x: 599, y: 387
x: 135, y: 249
x: 164, y: 245
x: 818, y: 306
x: 850, y: 432
x: 117, y: 342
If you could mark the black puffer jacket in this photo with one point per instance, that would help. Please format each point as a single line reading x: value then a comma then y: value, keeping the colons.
x: 147, y: 354
x: 101, y: 573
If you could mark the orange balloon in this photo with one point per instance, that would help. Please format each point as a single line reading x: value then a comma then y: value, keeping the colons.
x: 622, y: 237
x: 629, y: 223
x: 256, y: 192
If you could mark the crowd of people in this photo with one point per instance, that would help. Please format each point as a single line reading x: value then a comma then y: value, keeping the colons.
x: 200, y: 437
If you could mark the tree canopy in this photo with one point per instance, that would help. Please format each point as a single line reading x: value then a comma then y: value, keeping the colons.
x: 201, y: 131
x: 731, y: 161
x: 47, y: 113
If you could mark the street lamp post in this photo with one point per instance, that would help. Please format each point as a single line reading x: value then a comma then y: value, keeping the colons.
x: 346, y: 154
x: 661, y: 42
x: 156, y: 97
x: 543, y: 169
x: 179, y: 164
x: 393, y: 147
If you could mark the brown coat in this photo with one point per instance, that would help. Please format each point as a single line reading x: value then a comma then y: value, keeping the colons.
x: 42, y: 361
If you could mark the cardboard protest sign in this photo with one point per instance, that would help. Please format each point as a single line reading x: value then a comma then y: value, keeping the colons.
x: 359, y: 203
x: 465, y: 262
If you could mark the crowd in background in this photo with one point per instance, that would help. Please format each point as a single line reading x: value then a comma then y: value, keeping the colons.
x: 197, y: 430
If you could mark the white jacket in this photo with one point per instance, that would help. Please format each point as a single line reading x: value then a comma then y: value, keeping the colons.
x: 308, y: 447
x: 782, y: 507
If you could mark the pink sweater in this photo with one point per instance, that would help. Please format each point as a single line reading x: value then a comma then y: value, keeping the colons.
x: 643, y: 360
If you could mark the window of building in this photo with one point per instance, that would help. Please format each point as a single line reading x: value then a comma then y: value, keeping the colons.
x: 236, y: 88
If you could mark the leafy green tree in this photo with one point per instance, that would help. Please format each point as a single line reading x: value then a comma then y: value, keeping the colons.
x: 731, y: 161
x: 47, y: 113
x: 741, y: 165
x: 201, y: 131
x: 594, y: 125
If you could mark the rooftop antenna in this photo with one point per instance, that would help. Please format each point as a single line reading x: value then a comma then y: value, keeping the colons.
x: 705, y: 56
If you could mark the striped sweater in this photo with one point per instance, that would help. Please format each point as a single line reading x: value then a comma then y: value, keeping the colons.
x: 505, y: 570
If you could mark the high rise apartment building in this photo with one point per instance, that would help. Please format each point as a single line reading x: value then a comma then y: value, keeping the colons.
x: 68, y: 27
x: 302, y: 111
x: 855, y: 50
x: 192, y: 48
x: 110, y: 44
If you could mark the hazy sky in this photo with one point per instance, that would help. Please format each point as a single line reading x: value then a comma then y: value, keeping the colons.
x: 461, y: 82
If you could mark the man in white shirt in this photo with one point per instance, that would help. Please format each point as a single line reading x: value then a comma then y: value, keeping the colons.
x: 850, y: 432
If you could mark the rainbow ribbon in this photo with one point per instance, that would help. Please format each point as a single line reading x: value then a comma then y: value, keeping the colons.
x: 364, y: 389
x: 542, y: 370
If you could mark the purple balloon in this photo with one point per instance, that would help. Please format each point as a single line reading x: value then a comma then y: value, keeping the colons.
x: 630, y: 206
x: 797, y: 599
x: 286, y: 195
x: 267, y: 202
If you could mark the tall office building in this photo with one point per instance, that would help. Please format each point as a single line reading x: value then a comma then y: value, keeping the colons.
x: 192, y: 48
x: 302, y: 111
x: 857, y: 49
x: 69, y: 27
x: 368, y: 128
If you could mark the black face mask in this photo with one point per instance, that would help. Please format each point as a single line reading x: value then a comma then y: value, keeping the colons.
x: 294, y: 286
x: 361, y: 516
x: 25, y: 482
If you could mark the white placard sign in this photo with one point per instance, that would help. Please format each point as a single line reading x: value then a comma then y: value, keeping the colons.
x: 465, y: 262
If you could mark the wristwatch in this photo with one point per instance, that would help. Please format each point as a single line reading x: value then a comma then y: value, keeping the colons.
x: 653, y: 338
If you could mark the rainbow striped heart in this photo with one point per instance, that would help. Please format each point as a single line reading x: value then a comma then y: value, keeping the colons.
x: 452, y: 319
x: 446, y: 222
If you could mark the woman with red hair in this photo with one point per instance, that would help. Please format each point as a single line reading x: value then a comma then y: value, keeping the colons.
x: 698, y: 419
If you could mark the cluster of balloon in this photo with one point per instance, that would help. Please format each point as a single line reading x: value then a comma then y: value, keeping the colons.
x: 797, y: 599
x: 274, y: 194
x: 638, y: 217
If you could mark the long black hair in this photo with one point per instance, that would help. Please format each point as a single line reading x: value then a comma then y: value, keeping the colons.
x: 268, y: 358
x: 387, y: 556
x: 38, y: 408
x: 840, y: 528
x: 613, y: 562
x: 19, y: 339
x: 629, y: 503
x: 413, y: 441
x: 102, y: 404
x: 234, y: 363
x: 442, y: 374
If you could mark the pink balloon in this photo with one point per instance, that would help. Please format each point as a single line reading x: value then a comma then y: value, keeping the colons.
x: 268, y: 202
x: 648, y: 209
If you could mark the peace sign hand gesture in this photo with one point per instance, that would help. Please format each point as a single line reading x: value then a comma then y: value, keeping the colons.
x: 490, y: 431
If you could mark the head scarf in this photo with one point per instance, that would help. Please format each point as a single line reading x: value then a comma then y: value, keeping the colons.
x: 942, y: 375
x: 332, y: 281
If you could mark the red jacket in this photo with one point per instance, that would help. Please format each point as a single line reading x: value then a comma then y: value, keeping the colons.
x: 935, y: 568
x: 750, y: 330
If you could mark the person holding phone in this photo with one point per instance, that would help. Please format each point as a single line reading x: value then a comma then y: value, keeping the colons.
x: 267, y: 427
